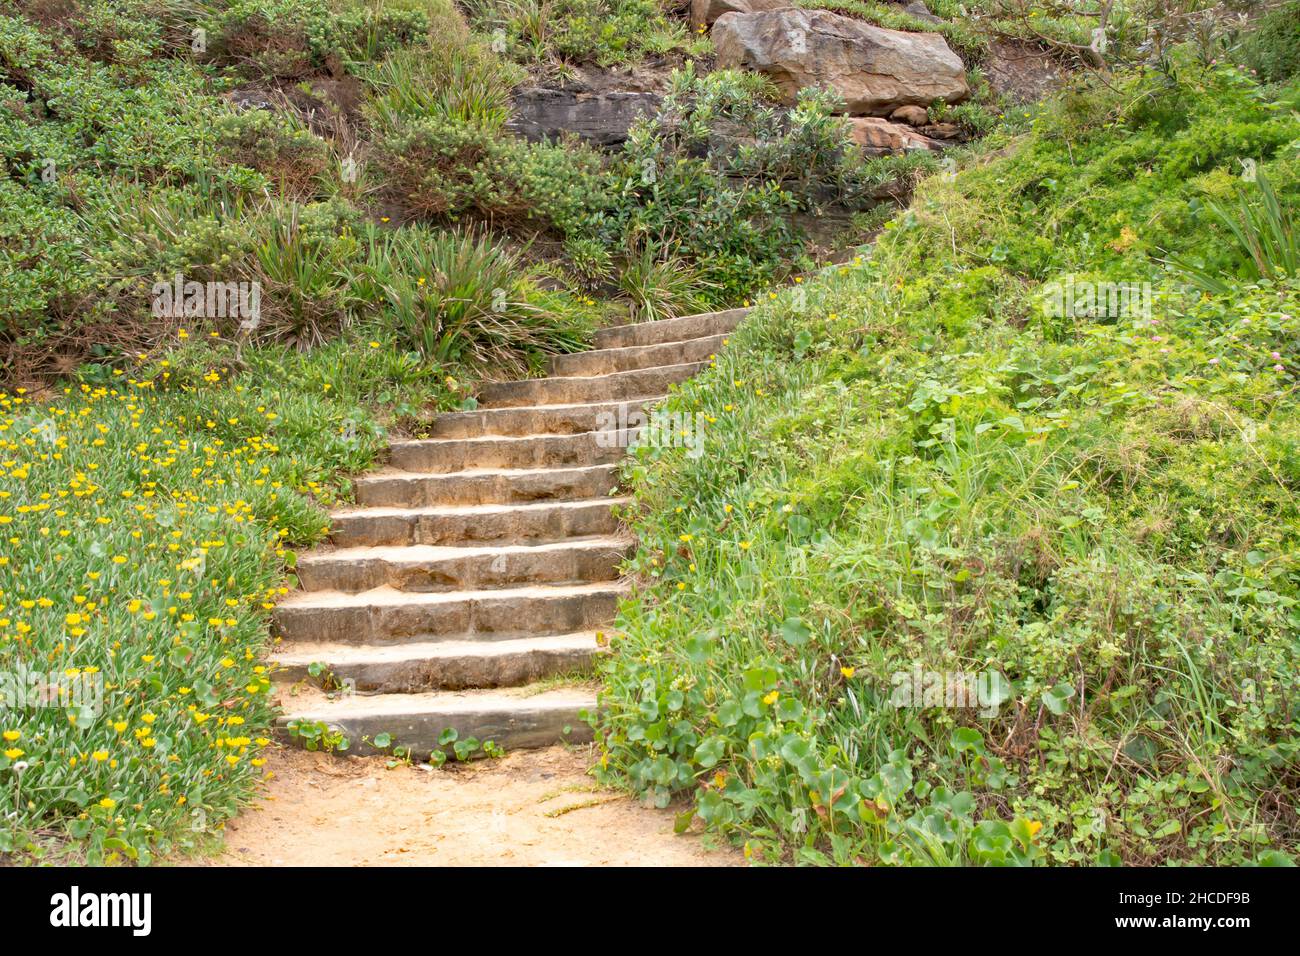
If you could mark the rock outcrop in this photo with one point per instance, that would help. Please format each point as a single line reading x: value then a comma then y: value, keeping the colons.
x: 875, y: 70
x: 601, y: 119
x: 879, y: 136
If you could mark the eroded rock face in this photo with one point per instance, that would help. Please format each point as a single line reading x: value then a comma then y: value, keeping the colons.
x: 601, y: 119
x: 874, y: 69
x: 704, y: 12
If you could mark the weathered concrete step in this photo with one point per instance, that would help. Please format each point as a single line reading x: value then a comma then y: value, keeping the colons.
x: 536, y: 420
x: 616, y: 386
x: 669, y: 330
x: 427, y: 568
x: 470, y: 524
x: 405, y: 489
x: 605, y: 361
x: 511, y: 719
x: 442, y: 455
x: 388, y: 616
x: 441, y: 665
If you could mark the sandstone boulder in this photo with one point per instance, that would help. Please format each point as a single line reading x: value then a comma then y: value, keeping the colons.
x: 944, y: 131
x: 874, y: 69
x: 911, y: 115
x: 879, y: 136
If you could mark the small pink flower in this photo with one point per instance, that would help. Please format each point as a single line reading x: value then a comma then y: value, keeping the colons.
x: 1276, y: 356
x: 1278, y: 368
x: 1214, y: 361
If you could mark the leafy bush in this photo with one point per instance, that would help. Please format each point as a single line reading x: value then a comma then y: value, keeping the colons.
x: 302, y: 276
x: 73, y: 132
x: 447, y: 169
x: 719, y: 174
x: 287, y: 39
x: 277, y: 146
x: 589, y: 261
x: 1272, y: 46
x: 961, y: 578
x: 581, y: 31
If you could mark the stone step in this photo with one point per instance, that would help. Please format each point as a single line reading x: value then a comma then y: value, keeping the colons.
x: 481, y: 486
x: 388, y: 616
x: 441, y: 665
x: 669, y: 330
x: 605, y: 361
x: 616, y: 386
x: 428, y: 568
x: 535, y: 420
x: 443, y: 455
x: 472, y: 524
x: 512, y: 719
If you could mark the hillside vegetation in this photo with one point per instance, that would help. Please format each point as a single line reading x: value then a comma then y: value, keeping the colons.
x: 912, y: 463
x: 965, y: 577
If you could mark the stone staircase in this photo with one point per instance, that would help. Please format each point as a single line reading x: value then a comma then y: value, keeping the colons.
x: 484, y: 559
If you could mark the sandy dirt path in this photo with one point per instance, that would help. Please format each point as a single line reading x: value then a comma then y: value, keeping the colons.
x: 530, y: 808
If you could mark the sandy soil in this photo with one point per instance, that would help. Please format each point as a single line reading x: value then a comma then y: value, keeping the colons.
x: 531, y: 808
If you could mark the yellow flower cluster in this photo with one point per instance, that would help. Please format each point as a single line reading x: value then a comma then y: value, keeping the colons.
x: 139, y: 534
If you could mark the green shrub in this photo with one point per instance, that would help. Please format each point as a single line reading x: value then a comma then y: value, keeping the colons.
x: 1272, y: 46
x: 447, y: 169
x: 718, y: 175
x: 303, y: 278
x: 74, y: 132
x: 589, y: 261
x: 581, y: 31
x: 288, y: 39
x: 278, y: 146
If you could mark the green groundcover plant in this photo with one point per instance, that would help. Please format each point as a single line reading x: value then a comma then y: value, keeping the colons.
x: 147, y: 516
x: 991, y: 553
